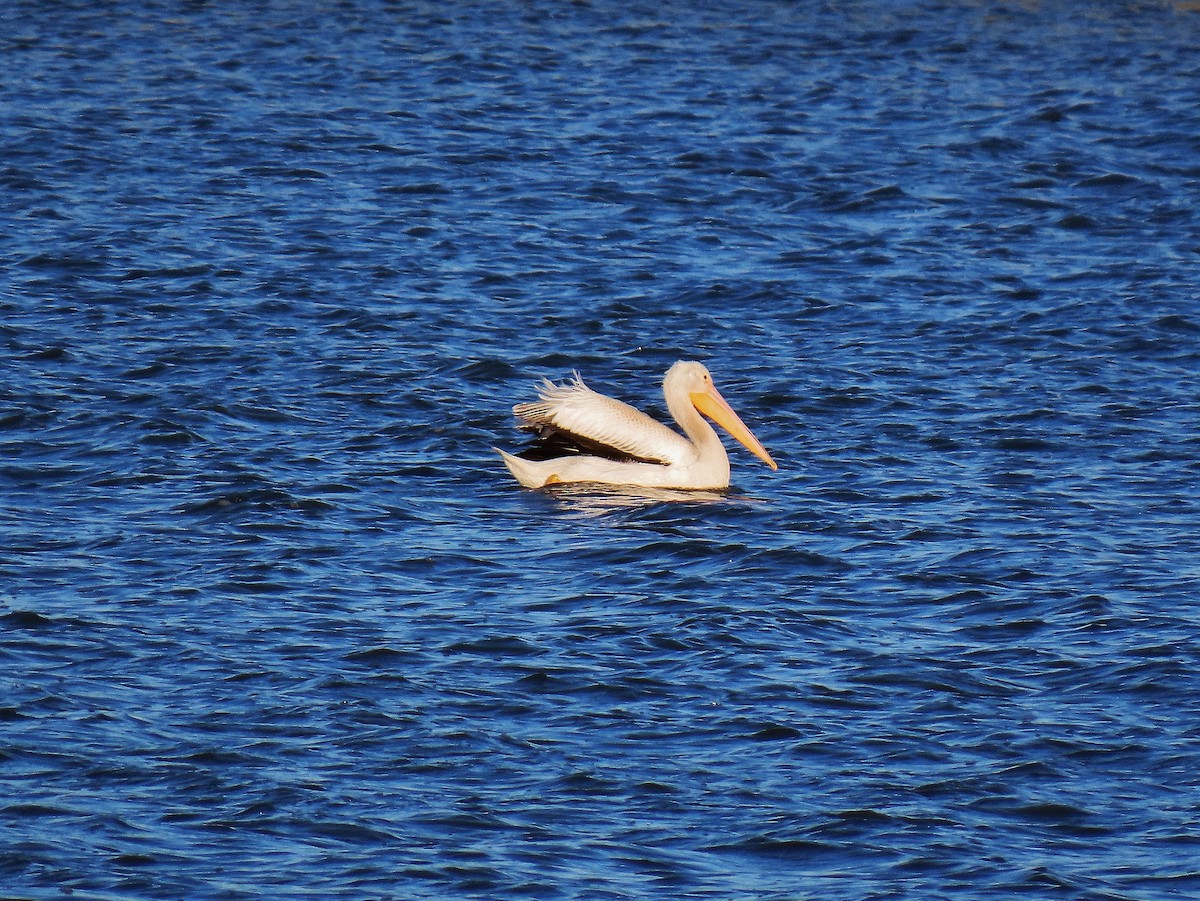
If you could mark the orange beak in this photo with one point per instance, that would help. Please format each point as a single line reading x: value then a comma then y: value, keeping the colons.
x: 711, y: 404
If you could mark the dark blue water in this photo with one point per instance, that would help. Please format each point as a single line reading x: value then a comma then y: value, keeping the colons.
x: 275, y: 620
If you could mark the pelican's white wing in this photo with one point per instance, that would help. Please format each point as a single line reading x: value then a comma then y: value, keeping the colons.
x: 576, y: 409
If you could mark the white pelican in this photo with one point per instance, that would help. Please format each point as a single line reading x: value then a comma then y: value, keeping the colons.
x: 600, y: 439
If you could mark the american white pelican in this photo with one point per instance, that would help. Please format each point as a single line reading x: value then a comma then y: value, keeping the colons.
x: 600, y: 439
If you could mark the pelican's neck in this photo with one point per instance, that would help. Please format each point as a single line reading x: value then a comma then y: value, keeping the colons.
x: 698, y: 430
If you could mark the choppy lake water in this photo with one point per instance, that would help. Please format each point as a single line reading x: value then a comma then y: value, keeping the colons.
x: 275, y: 620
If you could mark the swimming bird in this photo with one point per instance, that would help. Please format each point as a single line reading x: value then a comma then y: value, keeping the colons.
x: 589, y: 437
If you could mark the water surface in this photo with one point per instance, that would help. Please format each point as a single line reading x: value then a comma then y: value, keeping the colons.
x: 273, y: 617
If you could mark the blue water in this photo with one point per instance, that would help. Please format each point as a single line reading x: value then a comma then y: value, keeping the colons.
x: 275, y: 620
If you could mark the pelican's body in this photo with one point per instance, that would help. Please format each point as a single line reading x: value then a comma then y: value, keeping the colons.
x: 623, y: 446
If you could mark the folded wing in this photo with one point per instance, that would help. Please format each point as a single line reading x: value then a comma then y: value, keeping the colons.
x: 601, y: 422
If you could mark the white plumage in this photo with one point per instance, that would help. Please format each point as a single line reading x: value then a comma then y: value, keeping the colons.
x: 576, y: 409
x: 616, y: 444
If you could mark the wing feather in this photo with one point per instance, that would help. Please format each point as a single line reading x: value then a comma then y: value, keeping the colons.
x: 595, y: 418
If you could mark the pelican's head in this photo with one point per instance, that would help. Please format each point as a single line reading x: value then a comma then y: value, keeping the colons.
x: 694, y: 381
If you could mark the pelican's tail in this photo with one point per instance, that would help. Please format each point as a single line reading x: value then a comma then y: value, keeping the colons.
x: 530, y: 473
